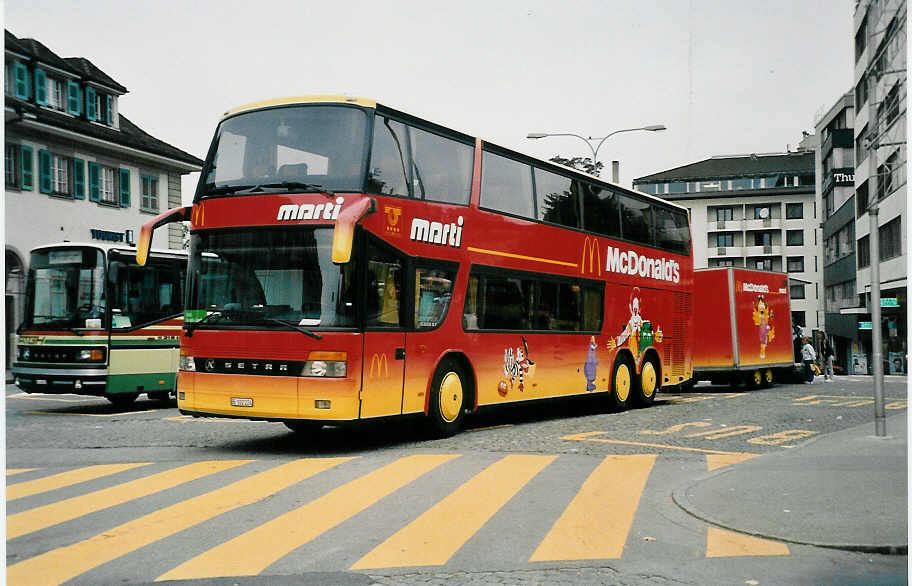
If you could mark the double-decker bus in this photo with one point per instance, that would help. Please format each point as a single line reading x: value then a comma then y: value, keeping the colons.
x: 352, y: 261
x: 97, y: 323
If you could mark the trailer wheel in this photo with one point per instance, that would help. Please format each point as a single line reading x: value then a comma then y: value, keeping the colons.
x: 446, y: 405
x: 648, y: 384
x: 621, y: 383
x: 768, y: 378
x: 753, y: 379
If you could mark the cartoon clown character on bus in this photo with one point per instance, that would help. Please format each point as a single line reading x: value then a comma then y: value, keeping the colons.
x: 763, y: 319
x: 638, y: 333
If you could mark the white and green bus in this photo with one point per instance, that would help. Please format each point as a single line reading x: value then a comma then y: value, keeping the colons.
x: 97, y: 323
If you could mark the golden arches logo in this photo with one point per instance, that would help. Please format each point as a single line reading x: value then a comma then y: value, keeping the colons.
x: 591, y: 246
x: 381, y: 363
x: 197, y: 218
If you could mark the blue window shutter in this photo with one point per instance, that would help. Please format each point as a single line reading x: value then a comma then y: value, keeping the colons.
x: 91, y: 107
x: 41, y: 87
x: 94, y: 181
x: 44, y: 172
x: 78, y: 179
x: 73, y: 95
x: 27, y: 169
x: 109, y: 110
x: 124, y: 188
x: 21, y: 81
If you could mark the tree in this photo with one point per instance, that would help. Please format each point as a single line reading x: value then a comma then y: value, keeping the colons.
x: 583, y: 164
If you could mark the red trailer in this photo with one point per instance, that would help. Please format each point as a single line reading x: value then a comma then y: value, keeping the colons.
x: 742, y: 325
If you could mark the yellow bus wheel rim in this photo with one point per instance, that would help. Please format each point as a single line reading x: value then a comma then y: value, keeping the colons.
x: 768, y: 376
x: 450, y: 397
x: 622, y: 383
x: 758, y: 378
x: 648, y: 379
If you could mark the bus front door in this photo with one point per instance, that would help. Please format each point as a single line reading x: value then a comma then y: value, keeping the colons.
x: 382, y: 373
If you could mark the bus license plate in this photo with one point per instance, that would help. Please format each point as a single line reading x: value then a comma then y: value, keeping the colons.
x: 241, y: 402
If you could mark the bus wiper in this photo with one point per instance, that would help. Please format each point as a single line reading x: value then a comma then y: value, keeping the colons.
x: 299, y: 185
x: 293, y: 326
x: 77, y: 331
x: 226, y: 189
x: 210, y: 318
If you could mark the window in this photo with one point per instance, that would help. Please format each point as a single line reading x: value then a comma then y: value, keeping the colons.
x: 795, y: 264
x: 742, y: 183
x: 763, y: 239
x: 671, y: 230
x: 74, y: 98
x: 636, y: 220
x: 725, y: 214
x: 506, y: 185
x: 101, y: 183
x: 384, y: 287
x: 829, y: 249
x: 557, y: 198
x: 763, y: 264
x: 501, y: 300
x: 721, y: 262
x: 794, y: 211
x: 149, y: 193
x: 889, y: 107
x: 864, y: 252
x: 798, y: 319
x: 861, y: 200
x: 56, y: 94
x: 147, y: 294
x: 20, y: 81
x: 796, y: 291
x: 388, y: 173
x: 677, y: 187
x: 13, y: 166
x: 890, y: 239
x: 54, y: 173
x: 725, y: 240
x: 600, y: 210
x: 845, y: 243
x: 861, y: 147
x: 794, y: 237
x: 442, y: 168
x: 432, y: 295
x: 761, y: 212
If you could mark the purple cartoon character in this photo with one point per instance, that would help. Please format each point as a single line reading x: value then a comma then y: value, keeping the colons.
x: 590, y: 365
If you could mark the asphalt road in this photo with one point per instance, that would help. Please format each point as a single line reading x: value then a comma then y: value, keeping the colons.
x: 561, y: 492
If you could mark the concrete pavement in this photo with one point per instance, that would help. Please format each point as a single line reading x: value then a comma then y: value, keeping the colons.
x: 845, y: 490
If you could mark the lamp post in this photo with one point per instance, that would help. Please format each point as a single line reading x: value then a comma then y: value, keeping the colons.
x: 588, y: 139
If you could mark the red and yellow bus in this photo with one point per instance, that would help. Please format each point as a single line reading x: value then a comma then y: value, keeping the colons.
x: 351, y: 261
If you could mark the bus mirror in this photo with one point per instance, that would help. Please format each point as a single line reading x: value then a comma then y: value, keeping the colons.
x: 145, y: 233
x: 114, y: 269
x: 344, y: 232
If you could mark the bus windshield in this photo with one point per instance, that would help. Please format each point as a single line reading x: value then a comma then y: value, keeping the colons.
x: 266, y: 278
x: 300, y: 148
x: 65, y: 289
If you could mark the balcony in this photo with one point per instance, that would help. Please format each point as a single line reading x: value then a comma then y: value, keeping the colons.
x: 768, y: 250
x: 725, y: 251
x: 728, y: 225
x: 764, y: 224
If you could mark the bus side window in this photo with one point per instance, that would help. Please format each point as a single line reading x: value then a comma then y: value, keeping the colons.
x: 433, y: 291
x: 384, y: 285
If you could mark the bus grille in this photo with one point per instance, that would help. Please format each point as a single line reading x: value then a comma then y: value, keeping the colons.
x: 676, y: 350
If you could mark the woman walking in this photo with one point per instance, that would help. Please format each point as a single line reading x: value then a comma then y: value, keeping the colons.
x: 828, y: 358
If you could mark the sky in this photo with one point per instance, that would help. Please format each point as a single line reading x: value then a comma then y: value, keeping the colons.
x: 724, y: 76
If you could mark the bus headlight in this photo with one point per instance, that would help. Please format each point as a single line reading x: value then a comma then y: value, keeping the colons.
x: 187, y: 364
x: 90, y: 355
x: 24, y: 352
x: 326, y: 364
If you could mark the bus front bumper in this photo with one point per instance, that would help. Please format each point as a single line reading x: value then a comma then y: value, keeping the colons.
x: 69, y: 379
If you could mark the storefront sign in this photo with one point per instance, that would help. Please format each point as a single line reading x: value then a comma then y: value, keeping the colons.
x: 889, y: 302
x: 107, y: 236
x: 865, y: 325
x: 844, y: 176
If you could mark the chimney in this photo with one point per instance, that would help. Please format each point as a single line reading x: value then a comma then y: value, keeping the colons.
x: 615, y: 171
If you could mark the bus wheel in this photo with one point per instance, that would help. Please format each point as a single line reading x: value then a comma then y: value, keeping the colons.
x: 121, y: 399
x: 621, y: 383
x: 768, y: 378
x: 644, y: 392
x: 446, y: 405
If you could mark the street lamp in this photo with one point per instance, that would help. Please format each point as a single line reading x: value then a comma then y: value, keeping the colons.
x: 587, y: 139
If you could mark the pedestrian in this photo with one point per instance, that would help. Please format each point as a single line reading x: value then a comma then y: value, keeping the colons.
x: 828, y: 359
x: 808, y: 355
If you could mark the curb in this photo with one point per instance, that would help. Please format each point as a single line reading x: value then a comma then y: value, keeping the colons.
x: 680, y: 498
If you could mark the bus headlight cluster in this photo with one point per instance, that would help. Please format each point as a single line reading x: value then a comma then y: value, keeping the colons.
x: 187, y: 364
x: 24, y: 352
x: 326, y: 368
x: 90, y: 355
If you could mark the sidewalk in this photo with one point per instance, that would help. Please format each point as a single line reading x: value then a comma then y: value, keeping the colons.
x: 845, y: 490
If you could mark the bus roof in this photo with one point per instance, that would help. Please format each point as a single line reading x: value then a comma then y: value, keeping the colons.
x: 369, y: 103
x: 108, y: 247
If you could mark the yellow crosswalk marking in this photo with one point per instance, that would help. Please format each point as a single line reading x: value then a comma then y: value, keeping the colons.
x: 14, y: 471
x: 435, y: 536
x: 65, y: 510
x: 597, y: 521
x: 715, y: 461
x: 721, y: 543
x: 39, y: 485
x: 250, y: 553
x: 60, y: 565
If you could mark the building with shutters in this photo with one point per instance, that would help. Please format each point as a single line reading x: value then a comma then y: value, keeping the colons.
x: 756, y: 211
x: 76, y: 169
